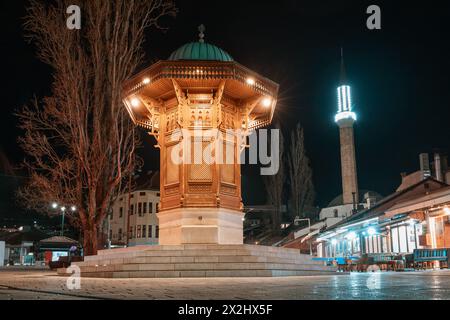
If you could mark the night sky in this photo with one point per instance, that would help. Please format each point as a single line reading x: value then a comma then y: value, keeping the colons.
x: 400, y: 76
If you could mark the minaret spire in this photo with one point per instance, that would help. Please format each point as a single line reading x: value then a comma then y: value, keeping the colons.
x: 345, y: 118
x: 343, y: 71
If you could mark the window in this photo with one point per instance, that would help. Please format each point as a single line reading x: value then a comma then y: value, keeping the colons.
x: 144, y: 231
x: 157, y: 208
x: 157, y: 232
x: 120, y: 234
x: 150, y: 231
x: 139, y: 232
x: 142, y: 194
x: 134, y: 232
x: 150, y: 207
x: 121, y: 212
x: 145, y: 208
x: 132, y: 209
x: 130, y: 235
x: 140, y: 209
x: 336, y: 213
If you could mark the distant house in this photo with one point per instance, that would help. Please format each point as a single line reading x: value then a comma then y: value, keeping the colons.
x: 133, y: 220
x: 21, y: 246
x: 53, y: 248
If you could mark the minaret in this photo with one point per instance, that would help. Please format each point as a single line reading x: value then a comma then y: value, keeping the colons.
x: 345, y: 118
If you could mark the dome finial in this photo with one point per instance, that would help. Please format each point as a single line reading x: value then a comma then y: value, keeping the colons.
x: 202, y: 30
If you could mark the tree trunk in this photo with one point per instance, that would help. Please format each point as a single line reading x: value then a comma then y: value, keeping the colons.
x: 90, y: 241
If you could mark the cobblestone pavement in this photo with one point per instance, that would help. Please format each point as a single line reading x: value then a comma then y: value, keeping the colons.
x: 375, y: 286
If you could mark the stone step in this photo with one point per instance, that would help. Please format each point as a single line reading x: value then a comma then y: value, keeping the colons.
x: 200, y: 267
x: 196, y: 253
x: 204, y: 274
x: 199, y: 259
x: 196, y: 247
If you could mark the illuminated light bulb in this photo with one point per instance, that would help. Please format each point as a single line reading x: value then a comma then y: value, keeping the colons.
x: 73, y: 208
x: 135, y: 102
x: 345, y: 116
x: 54, y: 205
x: 351, y: 235
x: 251, y: 81
x: 146, y: 81
x: 334, y: 242
x: 63, y: 209
x: 447, y: 210
x: 371, y: 231
x: 267, y: 102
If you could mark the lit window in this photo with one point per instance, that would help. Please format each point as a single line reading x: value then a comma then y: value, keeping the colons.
x: 139, y: 232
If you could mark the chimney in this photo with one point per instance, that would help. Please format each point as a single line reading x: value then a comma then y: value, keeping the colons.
x: 438, y: 167
x: 425, y: 165
x: 370, y: 199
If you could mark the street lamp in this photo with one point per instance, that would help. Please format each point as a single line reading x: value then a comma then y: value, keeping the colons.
x: 63, y: 210
x: 63, y: 216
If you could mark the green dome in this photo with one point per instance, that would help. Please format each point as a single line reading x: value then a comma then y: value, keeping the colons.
x: 200, y: 51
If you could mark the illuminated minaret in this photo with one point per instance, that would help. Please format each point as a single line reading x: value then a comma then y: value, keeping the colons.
x: 345, y: 118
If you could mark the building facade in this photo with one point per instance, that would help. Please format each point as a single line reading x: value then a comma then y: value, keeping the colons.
x: 416, y: 216
x: 133, y: 220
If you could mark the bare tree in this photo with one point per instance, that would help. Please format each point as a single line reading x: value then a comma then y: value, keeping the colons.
x: 275, y: 186
x: 80, y: 142
x: 300, y: 174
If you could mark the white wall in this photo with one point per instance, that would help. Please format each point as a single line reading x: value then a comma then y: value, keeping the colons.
x: 2, y: 253
x: 148, y: 219
x: 343, y: 211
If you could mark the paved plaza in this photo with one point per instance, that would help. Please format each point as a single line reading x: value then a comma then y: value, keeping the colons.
x: 44, y: 285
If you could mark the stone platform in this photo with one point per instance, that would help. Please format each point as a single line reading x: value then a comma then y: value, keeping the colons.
x: 200, y: 261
